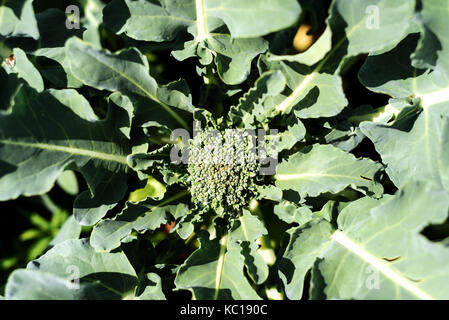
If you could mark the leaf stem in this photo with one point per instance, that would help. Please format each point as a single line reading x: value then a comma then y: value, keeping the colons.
x: 220, y: 265
x: 201, y: 21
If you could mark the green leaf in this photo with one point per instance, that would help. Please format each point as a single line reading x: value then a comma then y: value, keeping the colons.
x: 246, y: 230
x: 417, y: 152
x: 101, y: 275
x: 143, y: 20
x: 37, y: 285
x: 127, y: 72
x: 371, y: 25
x: 269, y: 192
x: 296, y: 131
x: 215, y: 271
x: 151, y: 288
x: 40, y: 222
x: 324, y: 168
x: 306, y: 244
x: 233, y: 57
x: 251, y: 105
x: 5, y: 51
x: 71, y: 229
x: 68, y: 182
x: 314, y: 54
x: 153, y: 188
x: 409, y: 148
x: 233, y: 52
x: 148, y: 21
x: 381, y: 239
x: 145, y: 215
x: 311, y: 95
x: 11, y: 84
x: 26, y: 70
x: 50, y: 54
x: 17, y: 19
x: 290, y: 213
x: 92, y: 20
x: 42, y: 135
x: 246, y: 19
x: 316, y: 91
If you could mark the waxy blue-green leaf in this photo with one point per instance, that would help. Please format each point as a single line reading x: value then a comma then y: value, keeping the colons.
x: 233, y: 53
x: 151, y: 287
x: 309, y: 95
x: 68, y: 182
x: 289, y: 212
x: 26, y: 284
x: 324, y: 168
x: 50, y: 54
x: 232, y: 57
x: 149, y: 214
x: 42, y: 135
x: 17, y: 19
x: 312, y: 55
x: 246, y: 230
x: 26, y: 70
x: 215, y: 271
x: 251, y: 105
x: 269, y: 192
x: 385, y: 242
x: 410, y: 150
x: 71, y: 229
x: 93, y: 18
x: 444, y: 155
x: 296, y: 131
x: 346, y: 140
x: 73, y: 270
x: 149, y: 21
x: 127, y: 72
x: 370, y: 25
x: 145, y: 20
x: 249, y: 19
x: 316, y: 91
x: 11, y: 84
x: 426, y: 53
x: 381, y: 240
x: 306, y: 244
x: 434, y: 15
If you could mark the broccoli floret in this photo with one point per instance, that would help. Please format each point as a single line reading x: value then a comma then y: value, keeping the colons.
x: 222, y: 169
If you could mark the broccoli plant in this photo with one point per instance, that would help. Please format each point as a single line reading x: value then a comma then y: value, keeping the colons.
x: 222, y: 152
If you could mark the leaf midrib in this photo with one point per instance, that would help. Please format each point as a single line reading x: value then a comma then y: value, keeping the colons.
x: 201, y: 21
x: 145, y: 91
x: 71, y: 150
x: 288, y: 101
x: 220, y: 265
x: 354, y: 248
x: 152, y: 209
x: 299, y: 176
